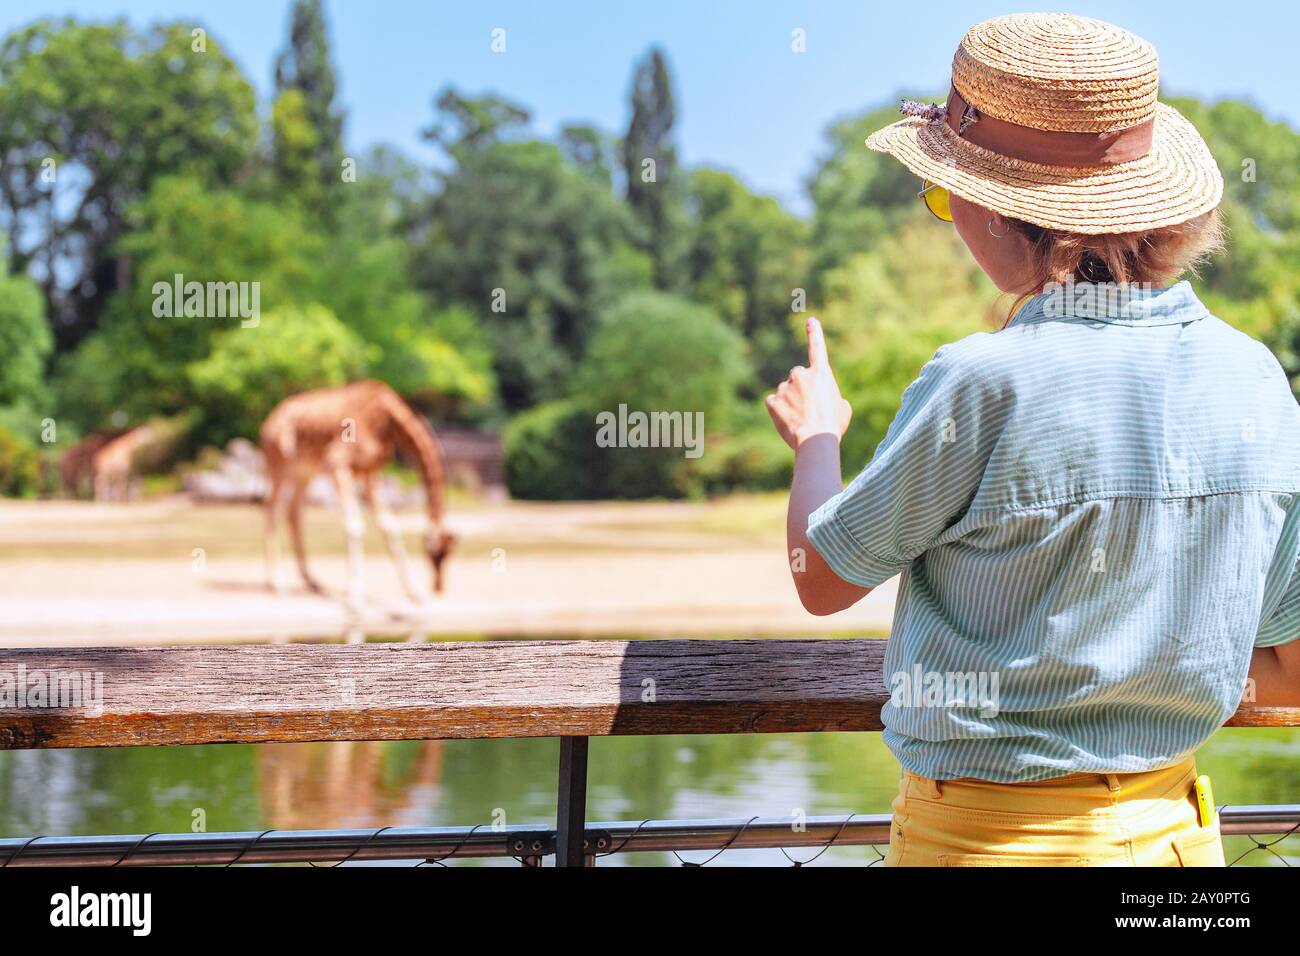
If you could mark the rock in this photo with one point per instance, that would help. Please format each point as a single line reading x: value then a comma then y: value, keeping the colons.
x: 240, y: 476
x: 245, y: 453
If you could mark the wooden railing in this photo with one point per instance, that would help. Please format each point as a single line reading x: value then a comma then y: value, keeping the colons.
x: 573, y: 690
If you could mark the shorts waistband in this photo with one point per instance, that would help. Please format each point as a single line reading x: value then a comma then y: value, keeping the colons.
x: 1082, y: 790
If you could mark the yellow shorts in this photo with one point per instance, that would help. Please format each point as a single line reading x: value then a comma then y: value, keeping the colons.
x: 1084, y: 819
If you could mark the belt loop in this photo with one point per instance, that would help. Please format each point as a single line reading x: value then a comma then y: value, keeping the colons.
x: 936, y: 788
x: 1112, y: 781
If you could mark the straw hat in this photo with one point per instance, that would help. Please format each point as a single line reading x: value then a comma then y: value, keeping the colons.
x: 1053, y: 119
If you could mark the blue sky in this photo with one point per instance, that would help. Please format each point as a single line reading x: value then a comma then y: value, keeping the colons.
x: 746, y: 102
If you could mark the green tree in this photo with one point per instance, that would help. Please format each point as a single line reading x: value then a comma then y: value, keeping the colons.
x: 662, y: 353
x: 90, y: 117
x: 463, y: 124
x: 250, y: 370
x: 887, y: 311
x: 439, y: 358
x: 1256, y: 284
x: 533, y: 246
x: 658, y: 351
x: 20, y: 466
x: 360, y: 274
x: 550, y: 453
x: 295, y: 174
x: 307, y: 126
x: 860, y: 197
x: 203, y: 235
x: 654, y: 353
x: 25, y: 342
x: 747, y: 258
x: 89, y: 382
x: 135, y: 363
x: 653, y: 181
x: 590, y: 149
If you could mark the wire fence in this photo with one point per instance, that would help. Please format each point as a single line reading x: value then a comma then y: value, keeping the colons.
x: 1255, y: 835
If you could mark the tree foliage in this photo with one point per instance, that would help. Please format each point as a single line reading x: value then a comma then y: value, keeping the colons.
x: 654, y: 353
x: 859, y: 197
x: 887, y: 311
x: 521, y: 280
x: 1256, y: 285
x: 650, y: 169
x: 531, y: 245
x: 748, y: 260
x: 185, y: 229
x: 91, y: 115
x: 307, y: 126
x: 25, y: 342
x: 249, y: 370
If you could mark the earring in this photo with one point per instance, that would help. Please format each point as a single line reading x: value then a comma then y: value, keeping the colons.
x: 995, y: 235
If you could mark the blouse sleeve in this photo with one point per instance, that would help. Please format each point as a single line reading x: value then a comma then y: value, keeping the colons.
x: 1280, y: 622
x: 920, y: 481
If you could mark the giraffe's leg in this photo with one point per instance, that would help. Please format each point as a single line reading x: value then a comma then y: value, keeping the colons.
x: 355, y: 528
x: 391, y: 530
x: 297, y: 497
x: 275, y: 579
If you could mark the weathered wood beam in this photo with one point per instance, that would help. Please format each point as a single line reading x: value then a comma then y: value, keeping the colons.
x: 305, y: 692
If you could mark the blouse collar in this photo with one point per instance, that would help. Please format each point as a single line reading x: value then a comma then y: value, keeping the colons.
x: 1113, y: 304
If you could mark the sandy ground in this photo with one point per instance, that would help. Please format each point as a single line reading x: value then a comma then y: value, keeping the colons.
x: 167, y: 571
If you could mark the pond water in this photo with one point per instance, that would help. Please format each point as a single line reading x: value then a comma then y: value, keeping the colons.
x: 461, y: 783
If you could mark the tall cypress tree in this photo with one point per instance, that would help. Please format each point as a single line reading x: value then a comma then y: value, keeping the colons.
x: 304, y: 70
x: 654, y: 188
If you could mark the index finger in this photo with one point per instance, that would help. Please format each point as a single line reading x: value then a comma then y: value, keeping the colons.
x: 817, y: 356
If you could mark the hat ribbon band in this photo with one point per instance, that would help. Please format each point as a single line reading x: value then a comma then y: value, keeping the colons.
x: 1050, y: 147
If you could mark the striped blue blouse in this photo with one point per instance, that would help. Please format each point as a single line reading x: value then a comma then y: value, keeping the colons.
x: 1096, y: 517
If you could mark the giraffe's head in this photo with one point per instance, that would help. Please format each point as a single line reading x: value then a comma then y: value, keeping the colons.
x: 438, y: 542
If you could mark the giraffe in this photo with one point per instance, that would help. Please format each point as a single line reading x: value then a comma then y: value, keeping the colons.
x: 76, y: 465
x: 350, y: 432
x: 110, y: 465
x: 346, y: 783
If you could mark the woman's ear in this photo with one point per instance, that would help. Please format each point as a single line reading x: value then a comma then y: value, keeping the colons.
x: 996, y: 246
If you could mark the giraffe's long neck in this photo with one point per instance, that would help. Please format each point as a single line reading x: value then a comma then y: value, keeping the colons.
x: 416, y: 438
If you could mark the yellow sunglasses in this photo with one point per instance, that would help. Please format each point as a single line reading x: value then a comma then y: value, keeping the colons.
x: 935, y: 198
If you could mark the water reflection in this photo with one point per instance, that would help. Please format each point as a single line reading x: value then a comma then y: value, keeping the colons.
x: 466, y: 782
x: 346, y: 785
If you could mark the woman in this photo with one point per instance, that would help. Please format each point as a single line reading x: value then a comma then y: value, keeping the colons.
x: 1094, y: 509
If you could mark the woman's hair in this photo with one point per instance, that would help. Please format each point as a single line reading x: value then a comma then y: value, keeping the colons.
x: 1156, y: 256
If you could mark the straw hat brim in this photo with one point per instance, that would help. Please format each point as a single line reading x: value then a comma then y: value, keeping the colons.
x: 1176, y: 181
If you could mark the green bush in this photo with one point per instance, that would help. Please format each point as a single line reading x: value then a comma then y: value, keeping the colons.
x: 173, y: 440
x: 251, y: 370
x: 661, y: 352
x: 885, y: 318
x: 89, y: 384
x: 653, y: 353
x: 751, y: 458
x: 25, y: 340
x: 20, y: 467
x: 549, y: 453
x: 441, y: 361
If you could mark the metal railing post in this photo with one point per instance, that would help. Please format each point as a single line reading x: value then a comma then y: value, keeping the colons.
x: 571, y: 803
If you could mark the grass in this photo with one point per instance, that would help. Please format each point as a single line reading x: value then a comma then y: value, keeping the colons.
x: 170, y: 528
